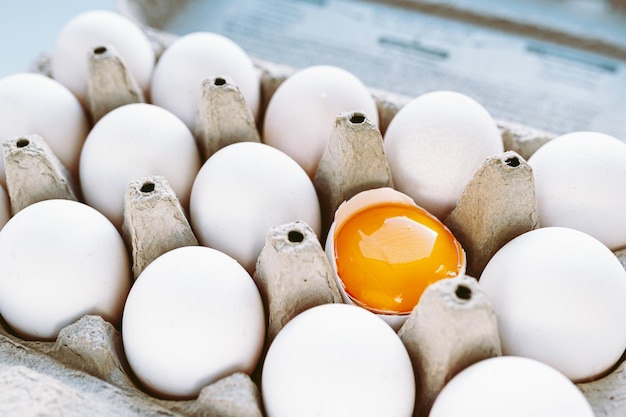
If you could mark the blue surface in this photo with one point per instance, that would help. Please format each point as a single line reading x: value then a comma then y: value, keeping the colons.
x: 29, y: 28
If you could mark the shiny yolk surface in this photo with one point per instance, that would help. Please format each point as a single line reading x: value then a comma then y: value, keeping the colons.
x: 387, y: 255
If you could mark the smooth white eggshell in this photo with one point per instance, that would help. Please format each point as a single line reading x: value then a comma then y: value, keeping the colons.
x: 510, y: 386
x: 558, y: 295
x: 177, y: 80
x: 60, y: 260
x: 242, y: 191
x: 337, y: 360
x: 301, y: 114
x: 132, y: 142
x: 194, y: 315
x: 435, y: 144
x: 95, y: 28
x: 35, y: 104
x: 580, y: 182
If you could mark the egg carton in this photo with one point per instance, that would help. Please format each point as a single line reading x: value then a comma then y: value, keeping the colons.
x: 84, y: 371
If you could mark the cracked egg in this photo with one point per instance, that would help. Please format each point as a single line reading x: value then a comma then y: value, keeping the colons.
x: 385, y: 250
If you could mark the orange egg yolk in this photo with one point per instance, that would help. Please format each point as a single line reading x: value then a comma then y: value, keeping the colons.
x: 387, y: 255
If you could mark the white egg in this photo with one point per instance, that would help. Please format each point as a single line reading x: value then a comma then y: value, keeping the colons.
x: 558, y: 295
x: 35, y: 104
x: 242, y: 191
x: 301, y: 114
x: 337, y: 360
x: 513, y: 387
x: 92, y: 29
x: 177, y: 79
x: 194, y: 315
x: 60, y: 260
x: 579, y: 182
x: 435, y: 144
x: 131, y: 142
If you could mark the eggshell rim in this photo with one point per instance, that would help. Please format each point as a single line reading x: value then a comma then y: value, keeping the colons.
x: 365, y: 200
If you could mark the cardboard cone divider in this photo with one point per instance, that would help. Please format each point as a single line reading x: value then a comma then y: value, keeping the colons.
x: 84, y: 371
x: 35, y: 173
x: 497, y: 205
x: 353, y: 161
x: 452, y: 327
x: 293, y: 274
x: 223, y: 117
x: 109, y: 83
x: 147, y: 202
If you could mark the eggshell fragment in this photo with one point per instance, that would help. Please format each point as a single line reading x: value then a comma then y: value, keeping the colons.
x: 35, y: 104
x: 385, y: 250
x: 337, y: 360
x: 192, y: 317
x: 301, y: 113
x: 435, y: 143
x: 579, y: 181
x: 242, y: 191
x: 60, y: 260
x: 510, y: 386
x: 177, y: 80
x: 558, y: 294
x: 132, y: 142
x: 95, y: 28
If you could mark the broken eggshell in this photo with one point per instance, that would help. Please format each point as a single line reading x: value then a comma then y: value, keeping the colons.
x: 385, y: 250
